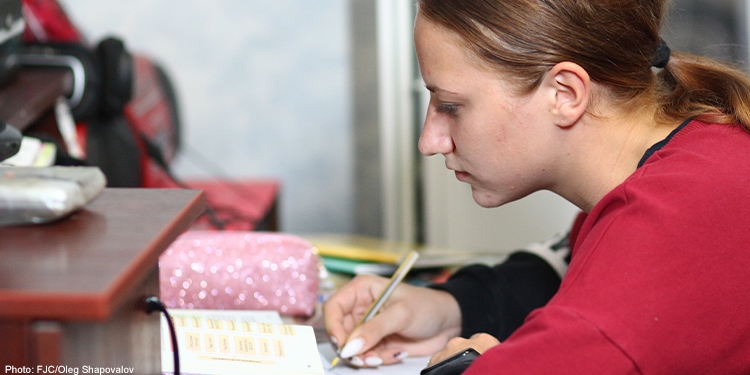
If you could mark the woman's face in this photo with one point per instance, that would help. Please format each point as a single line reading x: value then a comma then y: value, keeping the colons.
x: 496, y: 141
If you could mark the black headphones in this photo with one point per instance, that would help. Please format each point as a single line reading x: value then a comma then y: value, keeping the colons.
x: 10, y: 141
x: 117, y: 72
x: 102, y: 76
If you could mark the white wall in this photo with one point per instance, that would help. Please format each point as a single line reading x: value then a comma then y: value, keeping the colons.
x: 263, y: 88
x: 454, y: 220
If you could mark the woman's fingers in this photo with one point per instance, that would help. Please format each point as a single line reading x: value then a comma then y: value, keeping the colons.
x: 389, y: 321
x: 453, y: 346
x: 414, y: 321
x: 346, y: 307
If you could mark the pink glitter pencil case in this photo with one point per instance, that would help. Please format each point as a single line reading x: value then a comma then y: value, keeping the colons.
x: 240, y: 270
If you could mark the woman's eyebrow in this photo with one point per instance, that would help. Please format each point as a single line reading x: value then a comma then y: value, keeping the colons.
x: 435, y: 89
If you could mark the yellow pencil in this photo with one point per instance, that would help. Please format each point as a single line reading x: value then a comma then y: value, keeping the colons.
x: 399, y: 275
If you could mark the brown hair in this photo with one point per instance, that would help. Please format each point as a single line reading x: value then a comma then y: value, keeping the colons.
x: 614, y: 41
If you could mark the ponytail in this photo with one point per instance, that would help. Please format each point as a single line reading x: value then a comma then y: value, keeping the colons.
x: 704, y: 89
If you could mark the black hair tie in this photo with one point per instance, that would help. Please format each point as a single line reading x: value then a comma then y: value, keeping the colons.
x: 661, y: 57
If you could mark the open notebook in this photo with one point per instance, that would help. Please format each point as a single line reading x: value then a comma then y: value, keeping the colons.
x: 409, y: 366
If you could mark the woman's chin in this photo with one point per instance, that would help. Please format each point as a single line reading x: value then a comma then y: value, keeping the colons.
x: 489, y: 199
x: 486, y: 199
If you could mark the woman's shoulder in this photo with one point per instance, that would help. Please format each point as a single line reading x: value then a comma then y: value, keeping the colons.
x: 700, y: 151
x: 690, y: 191
x: 709, y: 140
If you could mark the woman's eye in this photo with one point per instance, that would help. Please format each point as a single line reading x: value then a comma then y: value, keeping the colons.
x: 447, y: 108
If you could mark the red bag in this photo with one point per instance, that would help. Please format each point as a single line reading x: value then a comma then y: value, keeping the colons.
x: 128, y: 121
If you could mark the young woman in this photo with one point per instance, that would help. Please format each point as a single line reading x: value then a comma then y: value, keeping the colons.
x: 583, y: 98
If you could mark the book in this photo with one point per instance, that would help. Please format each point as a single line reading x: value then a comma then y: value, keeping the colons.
x: 354, y: 254
x: 239, y: 342
x: 357, y: 267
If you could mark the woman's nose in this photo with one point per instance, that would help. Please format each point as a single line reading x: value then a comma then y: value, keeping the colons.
x: 435, y: 138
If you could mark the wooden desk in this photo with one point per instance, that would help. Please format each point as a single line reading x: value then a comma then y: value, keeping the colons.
x: 70, y: 291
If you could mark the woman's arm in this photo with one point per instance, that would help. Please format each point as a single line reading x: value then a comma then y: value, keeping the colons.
x: 496, y: 300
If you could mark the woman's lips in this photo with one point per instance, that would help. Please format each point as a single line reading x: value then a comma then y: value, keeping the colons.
x: 462, y: 176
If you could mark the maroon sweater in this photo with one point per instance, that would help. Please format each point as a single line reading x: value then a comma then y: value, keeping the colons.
x: 659, y: 278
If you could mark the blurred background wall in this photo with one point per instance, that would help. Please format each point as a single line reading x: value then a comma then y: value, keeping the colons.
x: 263, y: 88
x: 325, y: 96
x: 716, y: 28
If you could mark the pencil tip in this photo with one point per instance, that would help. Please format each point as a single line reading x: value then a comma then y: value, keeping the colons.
x: 334, y: 362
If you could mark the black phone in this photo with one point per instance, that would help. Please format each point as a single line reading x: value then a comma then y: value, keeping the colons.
x: 454, y: 365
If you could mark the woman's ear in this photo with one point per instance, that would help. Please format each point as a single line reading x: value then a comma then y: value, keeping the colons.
x: 571, y: 86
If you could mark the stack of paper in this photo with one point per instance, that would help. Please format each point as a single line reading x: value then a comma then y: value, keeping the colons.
x: 359, y: 254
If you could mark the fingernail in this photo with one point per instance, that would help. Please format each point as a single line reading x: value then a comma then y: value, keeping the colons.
x: 401, y: 355
x: 334, y: 343
x: 352, y: 347
x: 356, y: 361
x: 373, y: 361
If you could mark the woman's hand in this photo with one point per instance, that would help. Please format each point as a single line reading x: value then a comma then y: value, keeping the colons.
x: 415, y: 321
x: 479, y: 342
